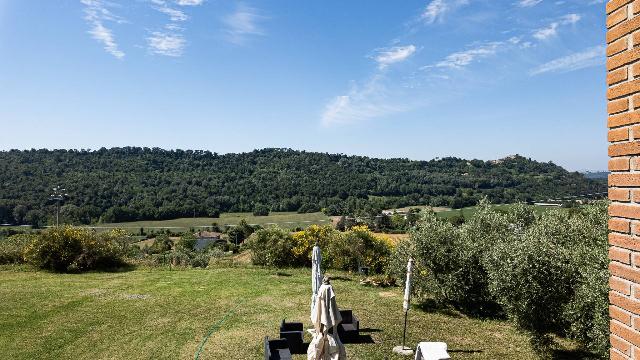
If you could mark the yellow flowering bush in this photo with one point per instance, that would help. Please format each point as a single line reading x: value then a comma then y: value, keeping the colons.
x: 305, y: 240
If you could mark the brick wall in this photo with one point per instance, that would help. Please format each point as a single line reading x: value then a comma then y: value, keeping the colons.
x: 623, y: 94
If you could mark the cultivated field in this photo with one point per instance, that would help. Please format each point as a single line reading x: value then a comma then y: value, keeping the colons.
x: 283, y: 219
x: 161, y: 314
x: 469, y: 211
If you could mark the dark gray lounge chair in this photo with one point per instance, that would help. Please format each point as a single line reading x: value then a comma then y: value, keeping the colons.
x: 293, y: 332
x: 277, y: 349
x: 349, y: 328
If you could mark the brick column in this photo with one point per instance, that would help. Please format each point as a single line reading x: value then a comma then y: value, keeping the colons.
x: 623, y: 94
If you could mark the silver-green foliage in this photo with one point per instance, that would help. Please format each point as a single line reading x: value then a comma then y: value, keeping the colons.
x: 548, y: 274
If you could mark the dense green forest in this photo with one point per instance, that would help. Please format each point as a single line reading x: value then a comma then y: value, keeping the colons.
x: 121, y: 184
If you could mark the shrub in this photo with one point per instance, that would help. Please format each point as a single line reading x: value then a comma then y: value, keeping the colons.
x: 12, y: 248
x: 271, y: 247
x: 346, y: 251
x: 260, y: 210
x: 358, y: 247
x: 69, y: 249
x: 187, y: 242
x: 305, y: 240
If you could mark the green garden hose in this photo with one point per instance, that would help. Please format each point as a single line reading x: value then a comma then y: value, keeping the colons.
x: 215, y: 327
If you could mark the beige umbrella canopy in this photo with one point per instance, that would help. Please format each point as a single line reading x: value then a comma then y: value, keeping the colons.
x: 325, y: 316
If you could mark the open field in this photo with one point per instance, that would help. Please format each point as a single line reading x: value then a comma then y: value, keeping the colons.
x: 161, y: 314
x: 284, y: 220
x: 469, y: 211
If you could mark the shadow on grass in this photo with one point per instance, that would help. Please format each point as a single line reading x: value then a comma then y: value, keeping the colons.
x: 434, y: 307
x: 280, y: 273
x: 464, y: 351
x: 360, y: 339
x: 573, y: 355
x: 369, y: 330
x: 340, y: 278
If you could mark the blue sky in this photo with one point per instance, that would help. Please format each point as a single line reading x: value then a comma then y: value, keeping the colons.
x: 418, y: 79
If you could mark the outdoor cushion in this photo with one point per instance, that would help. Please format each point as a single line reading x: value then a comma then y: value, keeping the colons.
x: 432, y: 351
x: 291, y: 326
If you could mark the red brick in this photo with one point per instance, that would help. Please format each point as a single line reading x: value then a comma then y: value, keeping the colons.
x: 628, y: 273
x: 628, y: 148
x: 625, y: 332
x: 624, y: 119
x: 635, y: 259
x: 617, y: 47
x: 617, y: 76
x: 624, y: 241
x: 614, y: 5
x: 635, y: 163
x: 635, y: 68
x: 635, y: 195
x: 620, y: 285
x: 635, y: 132
x: 626, y: 88
x: 618, y: 106
x: 623, y: 29
x: 619, y: 194
x: 619, y: 225
x: 636, y: 7
x: 619, y: 164
x: 618, y: 134
x: 636, y: 101
x: 625, y: 148
x: 616, y: 17
x: 620, y: 255
x: 621, y: 345
x: 614, y: 355
x: 618, y: 179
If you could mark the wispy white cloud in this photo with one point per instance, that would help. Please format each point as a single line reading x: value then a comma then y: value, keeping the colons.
x: 464, y: 58
x: 189, y: 2
x: 388, y: 56
x: 368, y: 101
x: 242, y: 24
x: 170, y: 41
x: 174, y: 14
x: 528, y: 3
x: 96, y: 14
x: 165, y: 43
x: 594, y: 56
x: 552, y: 29
x: 436, y: 9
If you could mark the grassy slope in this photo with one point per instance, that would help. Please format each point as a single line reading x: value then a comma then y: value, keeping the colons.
x: 94, y: 316
x: 285, y: 220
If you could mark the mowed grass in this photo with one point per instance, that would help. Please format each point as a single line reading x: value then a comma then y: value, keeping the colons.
x: 161, y: 314
x: 283, y: 219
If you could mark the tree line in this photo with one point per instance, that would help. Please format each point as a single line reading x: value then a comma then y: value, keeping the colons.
x: 134, y: 183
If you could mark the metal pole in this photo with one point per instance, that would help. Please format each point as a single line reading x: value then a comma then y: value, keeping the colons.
x: 404, y: 333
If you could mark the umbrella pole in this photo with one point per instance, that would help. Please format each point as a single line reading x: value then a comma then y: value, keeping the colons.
x: 404, y: 333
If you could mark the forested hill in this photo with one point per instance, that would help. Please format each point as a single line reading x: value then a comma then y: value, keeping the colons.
x: 140, y: 183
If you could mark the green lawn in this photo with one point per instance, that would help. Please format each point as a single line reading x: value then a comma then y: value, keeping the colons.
x: 161, y: 314
x: 283, y: 219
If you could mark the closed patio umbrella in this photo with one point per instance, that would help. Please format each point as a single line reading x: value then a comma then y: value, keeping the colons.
x: 316, y: 273
x: 325, y: 316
